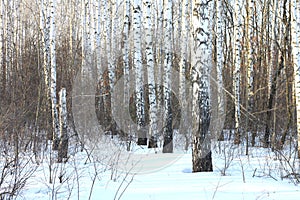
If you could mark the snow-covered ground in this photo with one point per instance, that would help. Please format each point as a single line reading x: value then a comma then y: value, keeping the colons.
x: 257, y: 176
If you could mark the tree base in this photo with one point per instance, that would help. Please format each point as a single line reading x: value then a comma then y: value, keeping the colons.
x: 152, y: 142
x: 142, y: 141
x: 203, y: 164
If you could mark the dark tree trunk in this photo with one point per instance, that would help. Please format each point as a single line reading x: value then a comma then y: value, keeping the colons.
x: 270, y: 104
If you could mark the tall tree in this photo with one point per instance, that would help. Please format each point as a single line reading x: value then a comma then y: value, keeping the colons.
x: 53, y: 95
x: 183, y: 66
x: 2, y: 46
x: 249, y: 65
x: 109, y: 12
x: 63, y: 145
x: 275, y: 71
x: 237, y: 68
x: 153, y: 132
x: 296, y: 61
x: 140, y: 102
x: 201, y: 65
x: 126, y: 54
x: 219, y: 57
x: 159, y: 48
x: 168, y: 59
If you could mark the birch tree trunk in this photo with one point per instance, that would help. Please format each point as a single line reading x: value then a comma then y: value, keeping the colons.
x: 249, y: 65
x: 44, y: 26
x: 237, y: 72
x: 83, y: 59
x: 153, y: 133
x: 63, y: 145
x: 98, y: 40
x: 140, y: 102
x: 185, y: 31
x: 201, y: 65
x: 296, y: 61
x: 45, y: 30
x: 109, y: 12
x: 177, y: 12
x: 168, y: 118
x: 100, y: 85
x: 220, y: 59
x: 126, y: 51
x: 2, y: 50
x: 159, y: 50
x: 52, y: 34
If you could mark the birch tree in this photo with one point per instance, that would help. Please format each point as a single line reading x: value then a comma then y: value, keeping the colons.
x: 2, y: 45
x: 159, y: 48
x: 296, y: 61
x: 237, y: 66
x: 100, y: 85
x: 126, y: 52
x: 63, y: 145
x: 220, y: 57
x: 52, y: 41
x: 84, y: 48
x: 183, y: 66
x: 153, y: 132
x: 137, y: 57
x: 249, y: 65
x: 45, y: 30
x: 168, y: 118
x: 108, y: 12
x: 201, y: 65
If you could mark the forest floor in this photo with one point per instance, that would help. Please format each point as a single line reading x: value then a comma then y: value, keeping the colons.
x: 261, y: 175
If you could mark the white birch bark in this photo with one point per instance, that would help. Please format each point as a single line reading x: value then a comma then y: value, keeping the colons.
x: 91, y: 31
x: 250, y: 52
x: 201, y: 65
x: 237, y: 65
x: 52, y: 34
x: 249, y: 65
x: 110, y: 51
x: 84, y: 40
x: 151, y: 80
x: 177, y: 11
x: 111, y: 26
x: 185, y: 22
x: 183, y: 65
x: 220, y: 55
x: 71, y: 31
x: 140, y: 103
x: 98, y: 40
x: 126, y: 69
x: 159, y: 49
x: 45, y: 28
x: 168, y: 58
x: 106, y: 44
x: 296, y: 61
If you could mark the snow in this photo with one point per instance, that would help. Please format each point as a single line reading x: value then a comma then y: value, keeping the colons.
x: 261, y: 169
x: 111, y: 173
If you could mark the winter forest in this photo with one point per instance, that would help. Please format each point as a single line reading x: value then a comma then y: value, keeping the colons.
x: 149, y: 99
